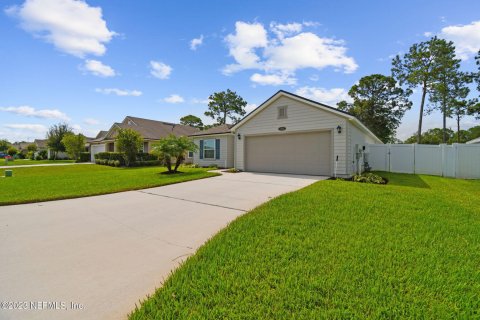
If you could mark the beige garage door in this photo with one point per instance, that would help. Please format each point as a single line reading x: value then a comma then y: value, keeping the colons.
x: 298, y: 153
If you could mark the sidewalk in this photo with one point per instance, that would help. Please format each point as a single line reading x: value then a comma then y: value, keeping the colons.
x: 43, y: 165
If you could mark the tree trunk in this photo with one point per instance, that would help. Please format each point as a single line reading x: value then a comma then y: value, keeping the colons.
x: 168, y: 163
x: 178, y: 163
x: 419, y: 133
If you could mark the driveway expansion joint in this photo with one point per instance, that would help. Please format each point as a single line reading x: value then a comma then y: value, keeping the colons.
x: 193, y: 201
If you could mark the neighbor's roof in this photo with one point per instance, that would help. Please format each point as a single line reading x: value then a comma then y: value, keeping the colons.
x: 476, y: 140
x: 220, y: 129
x: 336, y: 111
x: 41, y: 143
x: 22, y: 145
x: 149, y: 129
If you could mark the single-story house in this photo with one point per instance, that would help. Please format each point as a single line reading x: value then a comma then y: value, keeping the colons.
x: 150, y: 130
x: 474, y: 141
x: 288, y: 134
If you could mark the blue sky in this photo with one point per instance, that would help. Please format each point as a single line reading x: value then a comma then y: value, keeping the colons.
x: 91, y: 63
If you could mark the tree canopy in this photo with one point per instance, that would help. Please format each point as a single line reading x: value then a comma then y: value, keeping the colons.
x: 192, y: 121
x: 226, y: 105
x: 55, y: 135
x: 379, y: 103
x: 74, y: 145
x: 130, y: 142
x: 4, y: 144
x: 435, y: 136
x: 173, y: 148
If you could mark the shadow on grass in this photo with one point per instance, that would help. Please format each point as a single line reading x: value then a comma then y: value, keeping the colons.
x: 404, y: 180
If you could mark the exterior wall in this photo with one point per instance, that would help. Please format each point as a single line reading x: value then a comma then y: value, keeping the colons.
x: 356, y: 137
x: 226, y: 152
x: 301, y: 117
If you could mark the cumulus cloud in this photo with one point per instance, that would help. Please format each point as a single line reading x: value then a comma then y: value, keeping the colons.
x: 72, y: 26
x: 119, y: 92
x: 466, y: 38
x: 200, y: 101
x: 99, y: 69
x: 327, y: 96
x: 250, y: 107
x: 28, y: 111
x: 283, y: 51
x: 273, y: 79
x: 174, y: 98
x: 196, y: 42
x: 160, y: 70
x: 36, y: 128
x: 91, y: 121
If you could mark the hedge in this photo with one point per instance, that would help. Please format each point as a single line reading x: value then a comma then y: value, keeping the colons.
x: 84, y: 157
x: 117, y: 159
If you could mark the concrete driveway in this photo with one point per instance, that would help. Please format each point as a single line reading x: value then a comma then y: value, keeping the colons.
x: 96, y: 257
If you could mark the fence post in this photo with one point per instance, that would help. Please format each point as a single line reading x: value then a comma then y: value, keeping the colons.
x: 414, y: 158
x: 455, y: 159
x: 389, y: 162
x: 444, y: 160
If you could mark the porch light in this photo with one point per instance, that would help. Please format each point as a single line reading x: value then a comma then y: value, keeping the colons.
x: 239, y: 136
x: 339, y: 129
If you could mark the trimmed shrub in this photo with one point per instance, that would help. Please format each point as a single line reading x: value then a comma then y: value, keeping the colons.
x: 148, y: 163
x: 43, y: 154
x: 117, y: 163
x: 38, y: 157
x: 369, y: 178
x: 84, y: 157
x: 143, y: 156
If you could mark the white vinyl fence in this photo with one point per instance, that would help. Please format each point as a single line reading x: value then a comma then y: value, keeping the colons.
x: 457, y: 160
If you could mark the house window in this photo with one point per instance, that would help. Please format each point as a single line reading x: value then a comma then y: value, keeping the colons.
x: 110, y: 147
x: 190, y: 154
x: 209, y: 149
x: 145, y: 147
x: 282, y: 112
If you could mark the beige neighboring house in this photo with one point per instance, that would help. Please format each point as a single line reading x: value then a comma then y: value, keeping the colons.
x: 474, y: 141
x: 41, y: 144
x: 289, y: 134
x: 150, y: 130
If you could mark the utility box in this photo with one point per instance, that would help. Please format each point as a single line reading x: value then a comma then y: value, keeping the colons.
x: 8, y: 173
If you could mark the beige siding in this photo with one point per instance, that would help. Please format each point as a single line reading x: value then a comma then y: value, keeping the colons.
x: 226, y: 152
x: 301, y: 117
x: 356, y: 137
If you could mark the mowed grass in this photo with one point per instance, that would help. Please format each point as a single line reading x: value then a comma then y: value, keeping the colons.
x: 33, y: 184
x: 24, y: 162
x: 338, y: 250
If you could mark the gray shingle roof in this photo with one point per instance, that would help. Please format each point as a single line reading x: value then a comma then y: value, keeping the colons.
x: 223, y: 128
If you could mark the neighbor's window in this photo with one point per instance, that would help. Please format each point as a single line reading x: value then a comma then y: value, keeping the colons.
x: 209, y: 149
x: 145, y: 147
x: 282, y: 112
x: 190, y: 154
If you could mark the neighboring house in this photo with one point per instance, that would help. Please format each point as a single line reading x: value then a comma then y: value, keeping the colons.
x: 150, y: 130
x: 215, y: 147
x: 21, y: 146
x: 289, y: 134
x: 41, y: 144
x: 476, y: 140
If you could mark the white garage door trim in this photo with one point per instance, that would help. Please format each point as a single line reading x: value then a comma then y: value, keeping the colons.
x: 96, y: 148
x: 271, y: 155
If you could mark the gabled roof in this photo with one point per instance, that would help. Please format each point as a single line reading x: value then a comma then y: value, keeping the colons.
x: 220, y: 129
x: 476, y: 140
x: 101, y: 134
x: 41, y: 143
x: 148, y: 129
x: 313, y: 103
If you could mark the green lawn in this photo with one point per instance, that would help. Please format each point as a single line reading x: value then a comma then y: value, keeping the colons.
x: 338, y: 250
x: 23, y: 162
x: 33, y: 184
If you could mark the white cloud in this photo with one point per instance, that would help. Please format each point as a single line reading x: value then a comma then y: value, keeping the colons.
x: 91, y: 121
x: 174, y: 98
x: 288, y: 49
x: 327, y: 96
x: 196, y: 42
x: 428, y: 34
x: 28, y: 111
x: 97, y: 68
x: 466, y: 38
x: 314, y: 77
x: 119, y: 92
x: 273, y: 79
x: 36, y: 128
x: 72, y: 26
x: 160, y: 70
x: 242, y: 45
x: 250, y: 107
x: 282, y: 30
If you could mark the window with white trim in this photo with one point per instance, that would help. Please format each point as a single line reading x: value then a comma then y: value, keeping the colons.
x: 190, y: 154
x: 282, y: 112
x: 209, y: 149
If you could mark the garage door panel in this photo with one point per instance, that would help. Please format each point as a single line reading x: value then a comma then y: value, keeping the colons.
x: 300, y: 153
